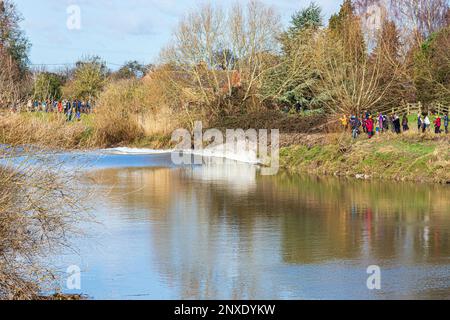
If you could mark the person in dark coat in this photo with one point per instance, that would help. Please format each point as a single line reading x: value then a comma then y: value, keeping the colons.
x: 405, y: 123
x: 446, y: 123
x: 396, y: 123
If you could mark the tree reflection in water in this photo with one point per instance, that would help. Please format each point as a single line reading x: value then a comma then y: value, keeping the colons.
x: 226, y: 232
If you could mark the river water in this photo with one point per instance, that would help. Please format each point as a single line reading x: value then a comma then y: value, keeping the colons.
x: 222, y: 231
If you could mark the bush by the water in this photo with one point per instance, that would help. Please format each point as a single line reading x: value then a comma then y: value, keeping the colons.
x: 39, y: 210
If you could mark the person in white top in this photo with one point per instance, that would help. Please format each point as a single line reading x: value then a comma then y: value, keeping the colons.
x: 427, y: 122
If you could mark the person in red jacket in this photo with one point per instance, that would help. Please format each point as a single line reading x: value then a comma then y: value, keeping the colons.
x: 60, y: 107
x: 437, y: 125
x: 369, y: 127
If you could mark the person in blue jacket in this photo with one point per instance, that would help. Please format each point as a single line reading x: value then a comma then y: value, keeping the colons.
x: 446, y: 123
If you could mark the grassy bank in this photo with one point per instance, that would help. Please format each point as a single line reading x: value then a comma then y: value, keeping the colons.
x: 410, y: 156
x: 110, y: 127
x: 407, y: 157
x: 52, y: 131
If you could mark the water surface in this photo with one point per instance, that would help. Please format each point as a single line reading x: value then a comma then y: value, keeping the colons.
x: 225, y: 232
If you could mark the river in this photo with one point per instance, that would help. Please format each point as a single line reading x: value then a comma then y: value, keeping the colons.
x: 223, y: 231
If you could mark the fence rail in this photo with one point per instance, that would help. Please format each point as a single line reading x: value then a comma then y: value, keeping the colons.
x: 415, y: 108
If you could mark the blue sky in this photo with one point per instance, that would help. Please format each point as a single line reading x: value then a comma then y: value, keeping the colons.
x: 118, y: 30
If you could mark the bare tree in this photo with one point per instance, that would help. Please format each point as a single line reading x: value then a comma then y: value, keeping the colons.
x: 422, y: 17
x: 218, y: 51
x: 351, y: 79
x: 10, y: 91
x: 416, y: 18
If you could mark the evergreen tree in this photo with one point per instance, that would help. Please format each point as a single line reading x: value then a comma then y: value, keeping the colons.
x: 310, y: 17
x: 290, y: 83
x: 432, y: 69
x: 345, y: 27
x: 338, y: 21
x: 386, y: 58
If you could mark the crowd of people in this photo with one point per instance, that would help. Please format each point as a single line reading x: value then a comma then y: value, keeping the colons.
x: 376, y: 124
x: 72, y: 109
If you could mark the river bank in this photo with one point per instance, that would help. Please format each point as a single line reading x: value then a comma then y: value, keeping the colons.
x: 407, y: 157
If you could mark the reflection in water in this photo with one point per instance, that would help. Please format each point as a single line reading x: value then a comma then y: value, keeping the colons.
x: 224, y: 232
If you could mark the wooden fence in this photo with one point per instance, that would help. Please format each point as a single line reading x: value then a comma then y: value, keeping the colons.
x: 415, y: 108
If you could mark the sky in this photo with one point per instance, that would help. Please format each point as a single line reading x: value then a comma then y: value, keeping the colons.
x: 117, y: 30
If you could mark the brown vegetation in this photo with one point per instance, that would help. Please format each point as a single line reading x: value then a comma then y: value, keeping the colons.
x: 50, y: 132
x: 38, y: 211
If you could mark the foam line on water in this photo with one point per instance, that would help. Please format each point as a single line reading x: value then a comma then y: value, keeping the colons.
x: 136, y: 151
x: 216, y: 152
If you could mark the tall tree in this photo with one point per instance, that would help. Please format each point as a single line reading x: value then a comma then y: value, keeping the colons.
x: 432, y: 68
x: 290, y: 82
x: 47, y: 85
x: 421, y: 17
x: 350, y: 79
x: 393, y: 74
x: 339, y: 20
x: 345, y: 27
x: 89, y: 78
x: 416, y: 19
x: 309, y: 17
x: 13, y: 42
x: 14, y: 48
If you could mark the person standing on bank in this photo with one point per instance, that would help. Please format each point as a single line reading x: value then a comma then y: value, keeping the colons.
x: 446, y: 123
x: 405, y: 123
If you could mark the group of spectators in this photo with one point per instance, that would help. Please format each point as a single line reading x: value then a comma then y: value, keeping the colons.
x: 376, y: 124
x: 424, y: 123
x: 71, y: 108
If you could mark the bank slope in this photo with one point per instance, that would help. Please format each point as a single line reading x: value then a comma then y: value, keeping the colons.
x: 410, y: 157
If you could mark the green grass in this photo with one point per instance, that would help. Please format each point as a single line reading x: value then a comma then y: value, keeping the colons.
x: 385, y: 158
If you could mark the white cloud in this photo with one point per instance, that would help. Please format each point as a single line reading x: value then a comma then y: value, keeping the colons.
x: 119, y: 30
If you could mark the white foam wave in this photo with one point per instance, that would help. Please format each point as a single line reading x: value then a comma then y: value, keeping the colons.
x: 136, y: 151
x: 222, y: 151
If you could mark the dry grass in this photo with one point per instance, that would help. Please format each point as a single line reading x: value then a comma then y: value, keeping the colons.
x: 52, y: 131
x: 130, y: 110
x: 160, y: 123
x: 115, y: 120
x: 39, y: 210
